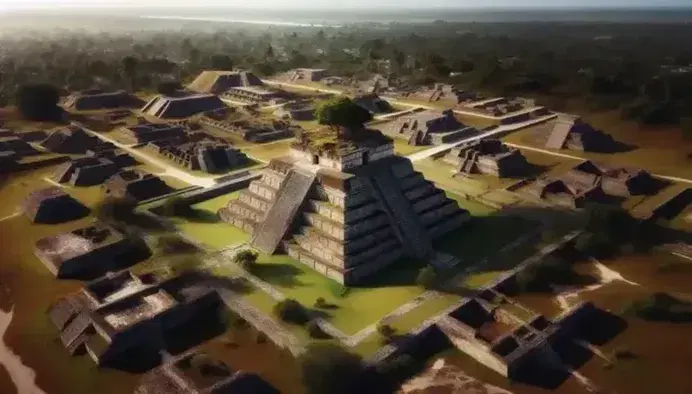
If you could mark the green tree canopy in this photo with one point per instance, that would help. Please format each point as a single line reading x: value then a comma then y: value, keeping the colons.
x: 342, y: 111
x: 246, y: 259
x: 39, y: 102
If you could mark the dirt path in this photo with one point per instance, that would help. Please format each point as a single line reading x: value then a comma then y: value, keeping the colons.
x: 23, y: 377
x: 568, y: 296
x: 445, y: 379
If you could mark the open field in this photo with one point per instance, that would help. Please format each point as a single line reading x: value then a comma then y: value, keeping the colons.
x: 207, y: 228
x: 269, y: 150
x: 402, y: 148
x: 659, y: 150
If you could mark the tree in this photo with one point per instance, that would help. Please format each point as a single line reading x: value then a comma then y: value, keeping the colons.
x: 342, y: 111
x: 168, y: 88
x: 246, y: 259
x: 427, y: 277
x: 129, y: 68
x: 221, y: 62
x: 39, y: 102
x: 291, y: 311
x: 328, y: 368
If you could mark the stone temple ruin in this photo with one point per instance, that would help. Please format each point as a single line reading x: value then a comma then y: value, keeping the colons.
x: 299, y: 111
x: 373, y: 103
x: 205, y: 155
x: 345, y: 205
x: 196, y: 372
x: 570, y: 132
x: 135, y: 184
x: 182, y: 106
x: 91, y: 250
x: 235, y: 85
x: 124, y: 312
x: 589, y: 181
x: 94, y: 169
x: 500, y: 340
x: 307, y: 74
x: 73, y: 140
x: 52, y: 205
x: 429, y: 127
x: 490, y: 157
x: 253, y: 132
x: 99, y: 100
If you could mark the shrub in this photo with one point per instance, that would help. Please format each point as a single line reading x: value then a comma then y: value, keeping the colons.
x: 291, y: 311
x: 386, y: 330
x: 320, y: 303
x: 246, y: 259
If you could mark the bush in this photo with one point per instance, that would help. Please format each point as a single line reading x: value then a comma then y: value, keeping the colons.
x: 291, y: 311
x: 342, y: 111
x: 320, y: 303
x: 427, y: 278
x: 246, y: 259
x: 386, y: 330
x: 39, y: 102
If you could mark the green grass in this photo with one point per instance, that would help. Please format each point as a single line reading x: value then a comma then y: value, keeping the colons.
x: 209, y: 229
x: 402, y: 148
x: 478, y: 280
x: 422, y: 312
x: 356, y: 309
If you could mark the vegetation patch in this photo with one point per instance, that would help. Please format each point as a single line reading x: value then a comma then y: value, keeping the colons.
x: 661, y: 307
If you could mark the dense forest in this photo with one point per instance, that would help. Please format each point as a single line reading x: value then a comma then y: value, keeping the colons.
x: 643, y: 70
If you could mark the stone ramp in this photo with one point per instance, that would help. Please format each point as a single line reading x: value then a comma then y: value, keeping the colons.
x: 391, y: 198
x: 289, y: 198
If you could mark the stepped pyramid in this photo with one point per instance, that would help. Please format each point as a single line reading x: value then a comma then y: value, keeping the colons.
x: 344, y: 204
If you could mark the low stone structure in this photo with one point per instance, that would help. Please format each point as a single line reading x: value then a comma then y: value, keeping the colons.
x: 73, y: 140
x: 197, y: 373
x: 52, y: 205
x: 253, y: 132
x: 125, y: 312
x: 299, y: 111
x: 589, y: 181
x: 99, y: 100
x: 135, y: 184
x: 89, y: 251
x: 307, y: 74
x: 218, y: 81
x: 429, y: 127
x: 87, y: 171
x: 204, y: 156
x: 491, y: 157
x: 502, y: 106
x: 373, y: 103
x: 570, y: 132
x: 17, y: 146
x: 343, y: 204
x: 500, y: 340
x: 182, y: 106
x: 147, y: 132
x: 253, y: 94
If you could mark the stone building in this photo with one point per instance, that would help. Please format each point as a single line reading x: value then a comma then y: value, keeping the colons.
x: 147, y: 132
x: 491, y: 157
x: 85, y: 252
x: 345, y: 205
x: 86, y: 171
x: 373, y: 103
x: 124, y: 312
x: 135, y: 184
x: 308, y: 74
x: 570, y: 132
x: 99, y: 100
x: 197, y: 373
x: 589, y: 181
x: 183, y: 106
x: 253, y: 132
x: 299, y: 111
x: 205, y: 156
x: 253, y: 94
x: 429, y: 127
x: 73, y: 140
x: 218, y: 82
x: 507, y: 344
x: 52, y: 205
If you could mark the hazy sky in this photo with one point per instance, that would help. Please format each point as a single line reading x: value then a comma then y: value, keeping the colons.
x: 284, y: 4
